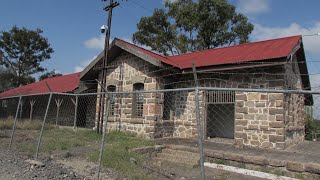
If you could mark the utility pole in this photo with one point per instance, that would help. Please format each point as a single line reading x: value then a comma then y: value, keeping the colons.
x: 108, y: 8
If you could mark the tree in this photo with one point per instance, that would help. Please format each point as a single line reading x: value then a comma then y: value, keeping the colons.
x: 187, y: 26
x: 22, y: 51
x: 49, y: 75
x: 9, y: 80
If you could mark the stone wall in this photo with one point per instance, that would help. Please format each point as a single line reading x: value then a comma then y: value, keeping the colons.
x: 128, y: 70
x: 261, y: 119
x: 294, y: 105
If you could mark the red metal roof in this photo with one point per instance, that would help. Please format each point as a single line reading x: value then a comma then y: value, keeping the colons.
x: 59, y: 84
x: 152, y: 54
x: 263, y: 50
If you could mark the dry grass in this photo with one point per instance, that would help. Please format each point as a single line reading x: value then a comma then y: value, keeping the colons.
x: 22, y: 124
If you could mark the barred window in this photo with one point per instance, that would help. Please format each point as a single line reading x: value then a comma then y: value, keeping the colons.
x: 168, y: 106
x: 137, y: 106
x: 112, y: 100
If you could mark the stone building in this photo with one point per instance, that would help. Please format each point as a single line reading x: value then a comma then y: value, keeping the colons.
x: 267, y: 120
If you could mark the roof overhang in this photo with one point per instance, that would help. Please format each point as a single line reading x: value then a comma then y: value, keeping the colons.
x: 116, y: 48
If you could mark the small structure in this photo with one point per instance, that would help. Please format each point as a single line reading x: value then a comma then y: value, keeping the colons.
x: 35, y: 98
x: 267, y: 120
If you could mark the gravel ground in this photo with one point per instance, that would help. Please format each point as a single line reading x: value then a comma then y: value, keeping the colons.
x: 16, y: 166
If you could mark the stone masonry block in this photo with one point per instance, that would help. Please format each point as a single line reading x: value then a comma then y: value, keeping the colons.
x: 295, y: 166
x: 276, y: 138
x: 241, y: 122
x: 276, y: 124
x: 233, y: 157
x: 277, y: 163
x: 258, y: 160
x: 241, y: 97
x: 275, y: 96
x: 241, y: 135
x: 312, y: 168
x: 274, y: 111
x: 253, y: 96
x: 242, y: 110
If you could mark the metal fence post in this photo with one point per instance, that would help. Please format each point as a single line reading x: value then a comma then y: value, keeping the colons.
x: 43, y: 124
x: 15, y: 123
x: 199, y: 126
x: 58, y: 104
x: 75, y: 112
x: 103, y: 136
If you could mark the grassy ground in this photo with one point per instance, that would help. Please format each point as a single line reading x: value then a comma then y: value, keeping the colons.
x: 116, y: 154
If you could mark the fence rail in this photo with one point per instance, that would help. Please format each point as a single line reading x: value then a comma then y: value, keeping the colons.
x: 261, y: 118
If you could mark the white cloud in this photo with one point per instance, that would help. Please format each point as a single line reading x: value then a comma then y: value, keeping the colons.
x: 95, y: 42
x: 253, y: 6
x: 311, y: 44
x: 83, y: 65
x: 171, y: 1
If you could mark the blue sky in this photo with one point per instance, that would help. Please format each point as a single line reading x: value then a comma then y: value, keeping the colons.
x: 73, y: 27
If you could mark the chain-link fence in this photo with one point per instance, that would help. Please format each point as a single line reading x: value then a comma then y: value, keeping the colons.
x: 169, y: 133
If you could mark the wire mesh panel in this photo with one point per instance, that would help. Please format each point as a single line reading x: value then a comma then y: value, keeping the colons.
x: 161, y: 115
x: 239, y: 126
x: 29, y: 123
x: 8, y: 108
x: 220, y: 110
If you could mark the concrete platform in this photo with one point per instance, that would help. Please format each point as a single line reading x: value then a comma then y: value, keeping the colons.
x: 301, y: 158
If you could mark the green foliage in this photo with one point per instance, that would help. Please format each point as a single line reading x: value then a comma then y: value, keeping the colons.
x: 22, y: 51
x: 63, y: 139
x: 49, y: 75
x: 311, y: 125
x: 187, y: 26
x: 117, y: 154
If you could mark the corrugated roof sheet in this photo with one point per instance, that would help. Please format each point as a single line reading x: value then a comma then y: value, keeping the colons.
x: 61, y: 84
x: 256, y: 51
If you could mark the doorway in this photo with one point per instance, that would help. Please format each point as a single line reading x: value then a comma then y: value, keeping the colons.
x: 220, y: 119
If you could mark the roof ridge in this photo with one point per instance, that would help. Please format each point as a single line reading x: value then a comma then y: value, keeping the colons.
x: 237, y: 45
x: 58, y: 76
x: 139, y: 47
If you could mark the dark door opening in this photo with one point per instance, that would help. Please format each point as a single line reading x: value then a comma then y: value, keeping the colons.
x: 220, y: 120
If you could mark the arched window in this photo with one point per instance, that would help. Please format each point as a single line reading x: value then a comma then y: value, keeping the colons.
x: 137, y: 101
x: 112, y: 88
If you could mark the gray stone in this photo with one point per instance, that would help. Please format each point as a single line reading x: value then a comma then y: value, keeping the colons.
x: 35, y: 163
x: 277, y: 163
x: 274, y: 111
x: 295, y: 166
x: 276, y: 124
x: 276, y: 138
x: 258, y: 160
x: 312, y: 168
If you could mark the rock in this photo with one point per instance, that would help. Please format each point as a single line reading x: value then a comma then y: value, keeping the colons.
x: 313, y: 168
x: 133, y: 161
x: 35, y: 163
x: 67, y: 154
x: 158, y: 147
x: 295, y: 166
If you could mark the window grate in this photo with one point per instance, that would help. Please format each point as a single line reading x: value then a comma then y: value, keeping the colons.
x: 138, y: 101
x: 112, y: 100
x: 220, y: 97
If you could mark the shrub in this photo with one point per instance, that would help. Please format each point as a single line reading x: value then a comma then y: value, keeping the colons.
x: 311, y: 125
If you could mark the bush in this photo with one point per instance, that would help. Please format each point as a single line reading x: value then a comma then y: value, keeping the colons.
x: 311, y: 125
